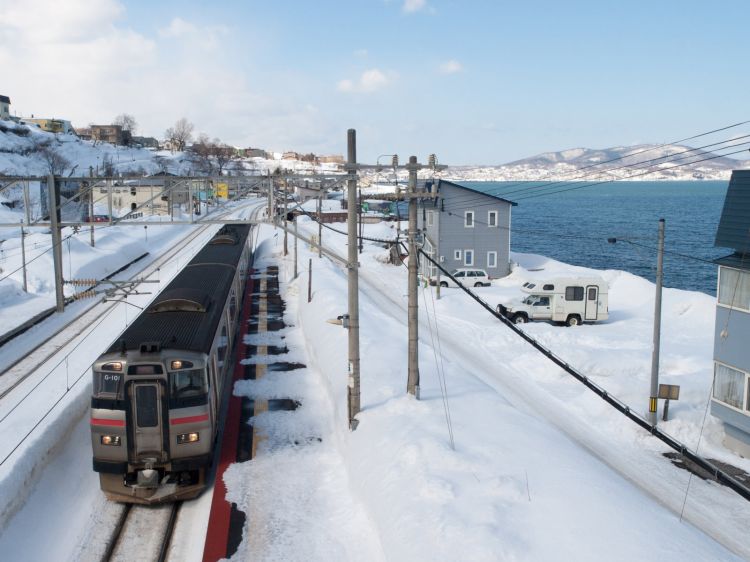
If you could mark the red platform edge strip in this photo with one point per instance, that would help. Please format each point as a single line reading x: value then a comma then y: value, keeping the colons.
x: 217, y: 533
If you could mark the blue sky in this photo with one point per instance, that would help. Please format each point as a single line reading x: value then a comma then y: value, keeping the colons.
x: 474, y: 81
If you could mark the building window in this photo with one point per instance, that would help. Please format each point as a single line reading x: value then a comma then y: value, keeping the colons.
x: 491, y: 259
x: 468, y: 257
x: 469, y: 219
x: 457, y: 255
x: 729, y: 385
x: 430, y: 218
x: 492, y: 219
x: 734, y: 288
x: 573, y: 293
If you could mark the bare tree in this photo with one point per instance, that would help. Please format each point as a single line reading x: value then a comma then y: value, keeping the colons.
x: 127, y: 122
x: 200, y: 154
x: 224, y: 155
x: 211, y: 156
x: 54, y: 162
x: 180, y: 134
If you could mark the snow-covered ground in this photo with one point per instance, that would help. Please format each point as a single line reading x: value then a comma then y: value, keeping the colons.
x: 531, y: 466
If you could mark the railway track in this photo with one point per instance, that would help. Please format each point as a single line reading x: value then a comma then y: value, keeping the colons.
x: 29, y: 360
x: 142, y: 533
x: 49, y: 371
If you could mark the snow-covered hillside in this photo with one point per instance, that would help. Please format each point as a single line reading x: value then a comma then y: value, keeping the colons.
x: 639, y: 162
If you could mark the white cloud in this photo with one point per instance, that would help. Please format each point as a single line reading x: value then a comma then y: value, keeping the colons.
x: 370, y: 81
x: 87, y: 65
x: 451, y: 67
x: 361, y: 53
x: 177, y: 28
x: 411, y: 6
x: 208, y: 37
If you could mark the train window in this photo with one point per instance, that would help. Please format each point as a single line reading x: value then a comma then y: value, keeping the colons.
x: 221, y: 349
x: 232, y: 304
x: 188, y: 383
x: 108, y: 384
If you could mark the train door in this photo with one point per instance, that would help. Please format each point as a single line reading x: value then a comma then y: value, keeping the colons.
x: 148, y: 429
x: 592, y: 303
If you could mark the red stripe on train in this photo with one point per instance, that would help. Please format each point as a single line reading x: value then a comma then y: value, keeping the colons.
x: 189, y: 419
x: 102, y: 421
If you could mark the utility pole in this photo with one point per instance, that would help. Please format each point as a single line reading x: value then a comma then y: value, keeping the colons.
x: 653, y: 397
x: 320, y: 223
x: 91, y: 207
x: 270, y: 196
x: 285, y: 215
x: 437, y: 269
x: 23, y: 258
x: 354, y: 382
x: 413, y: 381
x: 361, y: 226
x: 53, y: 207
x: 295, y: 246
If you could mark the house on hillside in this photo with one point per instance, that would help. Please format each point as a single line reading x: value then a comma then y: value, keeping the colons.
x: 50, y: 125
x: 256, y: 153
x: 4, y: 107
x: 465, y: 228
x: 730, y: 399
x: 145, y: 142
x: 113, y: 134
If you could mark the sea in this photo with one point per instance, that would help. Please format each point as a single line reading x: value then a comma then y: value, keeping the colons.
x: 615, y: 226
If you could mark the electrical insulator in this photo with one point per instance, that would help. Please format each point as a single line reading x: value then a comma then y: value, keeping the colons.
x: 395, y: 160
x: 432, y: 160
x: 84, y: 295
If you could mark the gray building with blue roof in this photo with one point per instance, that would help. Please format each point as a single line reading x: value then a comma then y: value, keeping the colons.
x: 730, y: 399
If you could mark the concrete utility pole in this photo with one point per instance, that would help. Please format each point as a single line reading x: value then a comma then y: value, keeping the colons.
x: 353, y: 266
x: 285, y: 215
x: 653, y: 397
x: 295, y: 246
x: 270, y: 197
x: 361, y: 226
x: 53, y: 207
x: 413, y: 381
x: 23, y: 258
x: 91, y: 208
x: 437, y: 269
x: 320, y: 224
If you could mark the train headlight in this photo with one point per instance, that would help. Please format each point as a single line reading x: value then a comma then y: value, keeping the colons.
x: 188, y: 438
x: 177, y: 364
x: 113, y: 440
x: 116, y: 366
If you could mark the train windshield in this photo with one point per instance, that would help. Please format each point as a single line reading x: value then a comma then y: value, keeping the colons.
x: 108, y: 385
x: 188, y: 383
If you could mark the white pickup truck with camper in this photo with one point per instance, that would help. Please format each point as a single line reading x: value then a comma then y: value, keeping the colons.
x: 571, y: 300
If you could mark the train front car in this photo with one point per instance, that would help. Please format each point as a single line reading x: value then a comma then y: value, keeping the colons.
x: 157, y: 392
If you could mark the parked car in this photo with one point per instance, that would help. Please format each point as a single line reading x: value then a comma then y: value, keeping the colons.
x: 467, y: 277
x: 96, y: 218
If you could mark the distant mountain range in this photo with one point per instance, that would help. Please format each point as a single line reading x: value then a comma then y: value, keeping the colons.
x: 641, y: 162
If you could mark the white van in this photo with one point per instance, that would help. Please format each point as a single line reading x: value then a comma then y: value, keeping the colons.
x: 572, y: 300
x: 467, y: 277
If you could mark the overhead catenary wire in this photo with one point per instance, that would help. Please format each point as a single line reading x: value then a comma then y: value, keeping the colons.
x: 536, y: 191
x: 721, y: 476
x: 544, y: 184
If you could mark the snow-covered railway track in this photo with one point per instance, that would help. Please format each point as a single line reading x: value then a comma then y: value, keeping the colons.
x: 34, y: 358
x: 53, y: 370
x: 142, y: 533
